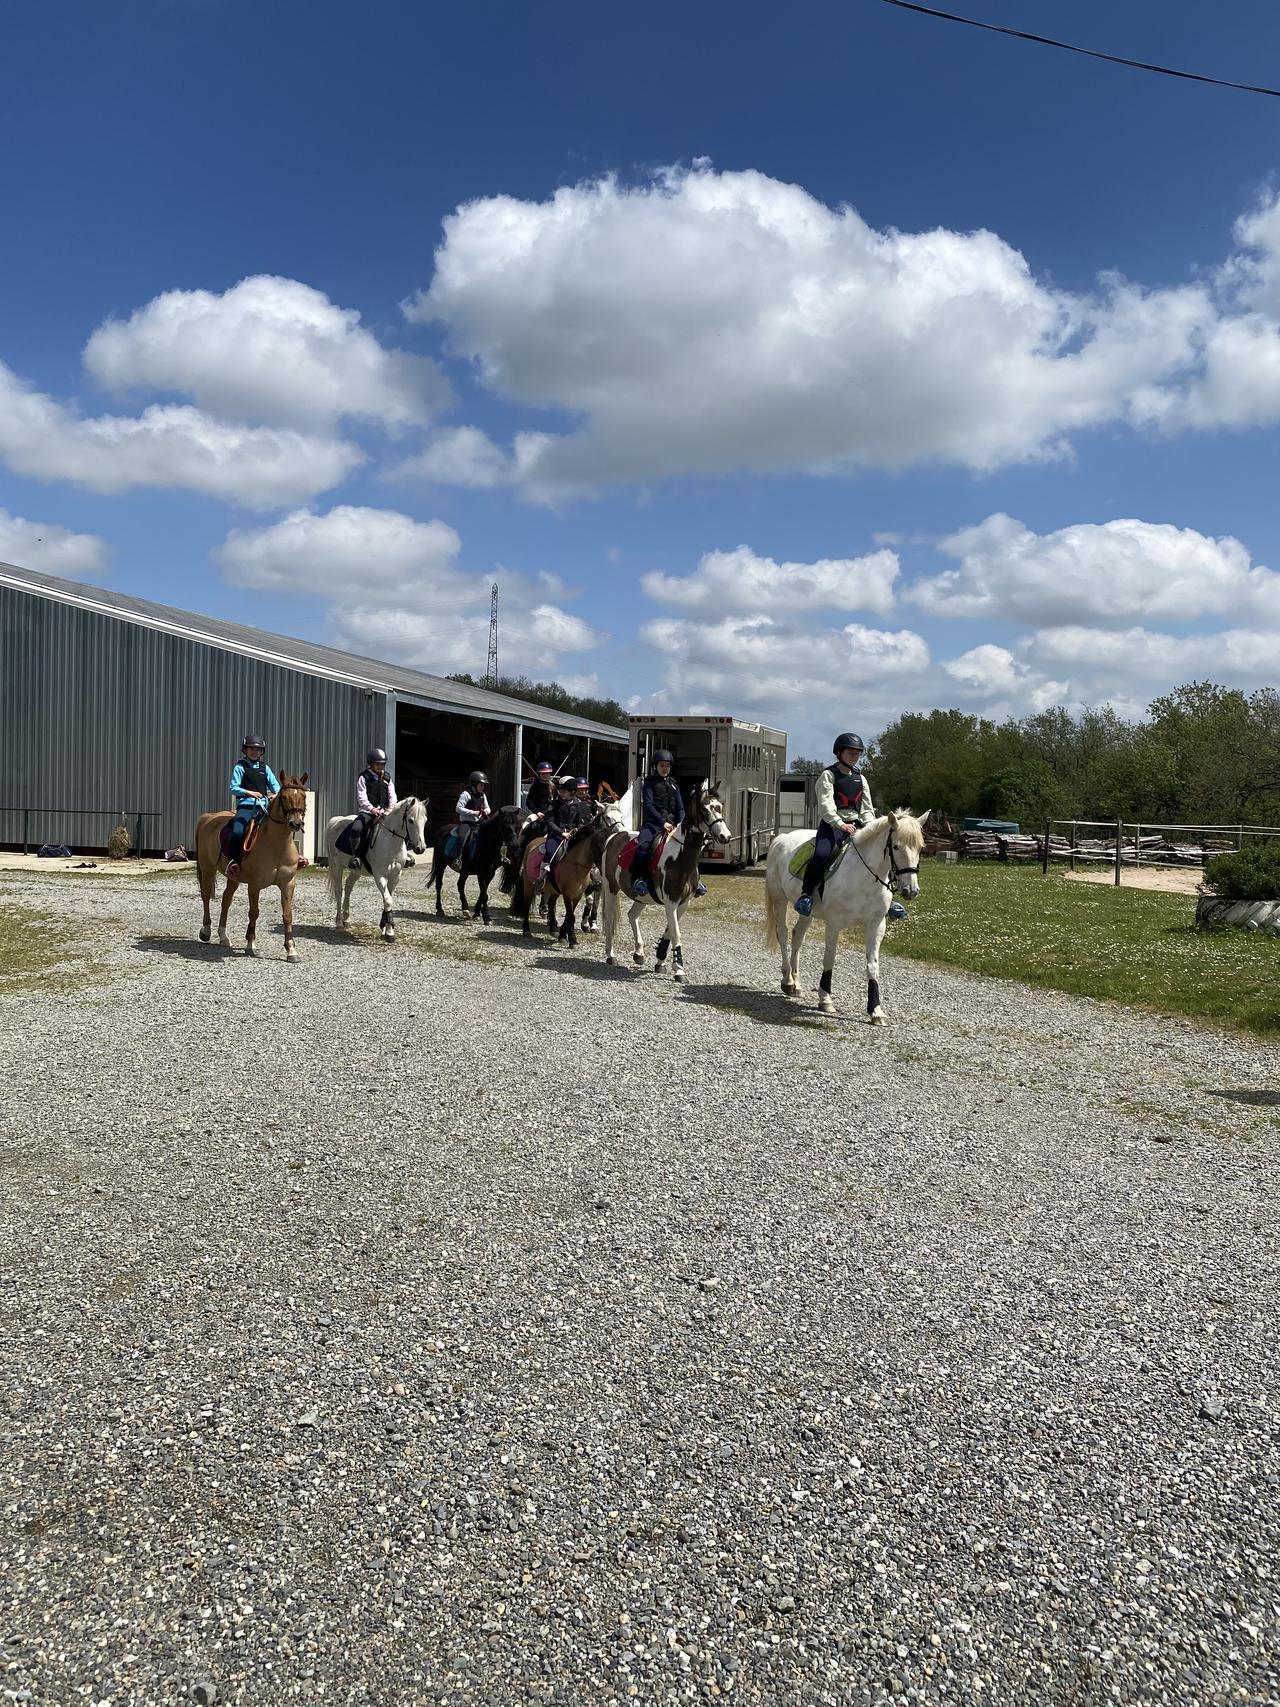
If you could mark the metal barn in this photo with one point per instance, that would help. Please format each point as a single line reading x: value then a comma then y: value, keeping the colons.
x: 114, y: 709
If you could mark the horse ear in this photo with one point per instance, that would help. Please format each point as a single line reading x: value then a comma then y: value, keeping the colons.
x: 302, y: 780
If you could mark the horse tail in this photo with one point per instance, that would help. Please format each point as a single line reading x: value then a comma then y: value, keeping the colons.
x: 510, y: 871
x: 770, y: 915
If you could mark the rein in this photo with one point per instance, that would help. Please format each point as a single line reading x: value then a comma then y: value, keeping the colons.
x: 896, y: 871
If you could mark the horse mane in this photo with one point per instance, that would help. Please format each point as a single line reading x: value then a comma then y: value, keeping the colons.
x: 909, y: 829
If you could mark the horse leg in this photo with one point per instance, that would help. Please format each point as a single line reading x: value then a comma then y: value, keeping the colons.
x: 633, y: 919
x: 208, y: 877
x: 228, y: 892
x: 875, y: 936
x: 825, y: 1004
x: 610, y: 920
x: 791, y: 959
x: 567, y: 930
x: 482, y: 900
x: 352, y: 878
x: 251, y: 934
x: 386, y: 923
x: 286, y: 913
x: 526, y: 892
x: 677, y: 946
x: 462, y: 894
x: 551, y: 914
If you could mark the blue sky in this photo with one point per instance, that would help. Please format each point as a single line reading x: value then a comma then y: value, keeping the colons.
x: 678, y: 320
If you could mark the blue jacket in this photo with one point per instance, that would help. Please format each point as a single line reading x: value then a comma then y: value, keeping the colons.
x: 660, y: 801
x: 241, y: 796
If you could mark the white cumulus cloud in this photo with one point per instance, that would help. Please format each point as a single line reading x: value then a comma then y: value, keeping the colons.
x: 394, y: 588
x: 1102, y: 572
x: 743, y: 583
x: 54, y: 550
x: 458, y: 456
x: 269, y: 349
x: 706, y: 321
x: 166, y: 446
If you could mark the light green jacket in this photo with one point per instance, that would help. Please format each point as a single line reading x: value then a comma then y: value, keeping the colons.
x: 830, y: 813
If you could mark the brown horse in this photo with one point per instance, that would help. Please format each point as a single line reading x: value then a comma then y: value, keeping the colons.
x: 272, y: 862
x: 567, y: 880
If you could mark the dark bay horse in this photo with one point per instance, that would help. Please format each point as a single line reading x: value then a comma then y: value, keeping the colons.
x: 568, y: 879
x: 491, y: 840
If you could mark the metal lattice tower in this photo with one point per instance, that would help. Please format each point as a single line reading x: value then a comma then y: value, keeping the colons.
x: 491, y: 669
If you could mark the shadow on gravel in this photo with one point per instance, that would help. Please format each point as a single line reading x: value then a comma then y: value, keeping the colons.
x: 764, y: 1009
x: 1255, y: 1099
x: 566, y: 959
x: 185, y: 948
x: 510, y: 938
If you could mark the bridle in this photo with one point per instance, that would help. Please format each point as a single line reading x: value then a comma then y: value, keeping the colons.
x: 896, y: 871
x: 285, y: 822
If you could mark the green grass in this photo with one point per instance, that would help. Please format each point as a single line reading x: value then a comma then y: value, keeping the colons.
x: 1126, y: 945
x: 39, y: 954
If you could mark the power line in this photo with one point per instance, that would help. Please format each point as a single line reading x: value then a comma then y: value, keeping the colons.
x: 1088, y: 52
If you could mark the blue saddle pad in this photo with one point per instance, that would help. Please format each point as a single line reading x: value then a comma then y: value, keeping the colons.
x: 450, y: 846
x: 346, y: 842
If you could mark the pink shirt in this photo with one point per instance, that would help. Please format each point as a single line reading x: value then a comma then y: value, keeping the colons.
x: 363, y: 803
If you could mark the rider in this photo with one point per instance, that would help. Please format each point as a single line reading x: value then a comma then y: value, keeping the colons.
x: 253, y: 782
x: 662, y: 809
x: 566, y: 815
x: 375, y: 796
x: 582, y: 794
x: 541, y: 790
x: 472, y: 809
x: 844, y: 805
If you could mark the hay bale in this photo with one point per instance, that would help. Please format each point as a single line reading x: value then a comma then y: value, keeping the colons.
x: 119, y: 843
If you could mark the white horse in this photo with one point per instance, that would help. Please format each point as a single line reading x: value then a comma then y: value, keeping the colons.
x: 401, y: 832
x: 884, y: 856
x: 671, y: 883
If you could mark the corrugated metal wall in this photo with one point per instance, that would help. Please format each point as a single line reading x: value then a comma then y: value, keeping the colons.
x: 101, y: 714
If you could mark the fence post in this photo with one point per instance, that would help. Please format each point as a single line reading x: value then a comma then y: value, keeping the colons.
x: 1073, y: 844
x: 137, y: 840
x: 1119, y: 833
x: 26, y: 838
x: 1044, y: 863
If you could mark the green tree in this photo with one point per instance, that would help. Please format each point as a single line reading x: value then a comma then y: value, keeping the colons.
x: 598, y: 709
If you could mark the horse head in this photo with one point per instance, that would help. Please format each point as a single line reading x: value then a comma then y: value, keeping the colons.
x: 707, y: 813
x: 904, y: 847
x: 415, y: 824
x: 293, y: 800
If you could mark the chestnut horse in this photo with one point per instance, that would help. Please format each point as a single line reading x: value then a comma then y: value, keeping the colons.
x: 271, y: 863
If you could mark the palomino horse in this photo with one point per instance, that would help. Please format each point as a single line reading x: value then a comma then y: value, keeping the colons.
x: 492, y: 838
x: 400, y: 833
x: 272, y: 862
x: 569, y: 876
x: 671, y: 883
x: 884, y: 856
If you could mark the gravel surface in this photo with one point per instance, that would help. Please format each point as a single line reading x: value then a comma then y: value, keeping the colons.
x: 465, y: 1321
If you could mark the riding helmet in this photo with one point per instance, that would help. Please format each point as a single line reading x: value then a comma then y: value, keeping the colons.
x: 254, y: 741
x: 664, y: 753
x: 582, y: 783
x: 478, y: 779
x: 848, y: 740
x: 565, y: 782
x: 544, y: 769
x: 375, y: 756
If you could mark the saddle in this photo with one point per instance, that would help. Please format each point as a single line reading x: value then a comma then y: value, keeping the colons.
x: 628, y: 854
x: 349, y: 839
x: 804, y: 853
x: 226, y: 842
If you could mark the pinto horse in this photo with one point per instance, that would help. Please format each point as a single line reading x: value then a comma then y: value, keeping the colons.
x: 272, y: 862
x: 395, y: 836
x: 492, y: 838
x: 672, y: 882
x: 884, y: 856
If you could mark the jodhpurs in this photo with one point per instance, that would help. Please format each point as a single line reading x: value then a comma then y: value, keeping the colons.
x: 820, y: 858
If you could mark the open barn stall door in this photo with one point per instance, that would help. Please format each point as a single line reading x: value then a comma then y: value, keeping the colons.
x: 436, y: 751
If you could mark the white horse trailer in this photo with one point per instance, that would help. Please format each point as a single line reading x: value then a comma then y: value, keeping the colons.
x: 797, y: 808
x: 746, y: 759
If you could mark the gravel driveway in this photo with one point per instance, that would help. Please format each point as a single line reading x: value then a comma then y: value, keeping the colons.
x: 464, y: 1321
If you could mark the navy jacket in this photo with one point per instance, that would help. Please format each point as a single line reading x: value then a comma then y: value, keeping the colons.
x: 660, y: 801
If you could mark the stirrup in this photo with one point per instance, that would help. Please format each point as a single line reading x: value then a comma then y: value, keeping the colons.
x: 897, y: 910
x: 700, y: 888
x: 804, y: 905
x: 233, y: 868
x: 639, y: 889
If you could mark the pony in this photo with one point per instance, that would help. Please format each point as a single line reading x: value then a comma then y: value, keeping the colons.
x: 672, y: 882
x: 568, y: 878
x: 492, y: 839
x: 396, y: 835
x: 272, y: 862
x: 884, y: 856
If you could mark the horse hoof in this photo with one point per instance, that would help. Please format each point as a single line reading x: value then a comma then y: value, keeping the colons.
x: 637, y: 959
x: 292, y: 957
x: 249, y: 950
x: 876, y: 1018
x: 608, y: 960
x: 224, y: 942
x: 790, y: 989
x: 826, y: 1005
x: 678, y: 975
x: 205, y: 934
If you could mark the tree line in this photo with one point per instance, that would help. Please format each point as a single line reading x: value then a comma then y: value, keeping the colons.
x: 1205, y: 754
x: 598, y: 709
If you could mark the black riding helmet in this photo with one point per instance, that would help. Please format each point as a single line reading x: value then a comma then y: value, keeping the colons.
x: 253, y: 741
x: 664, y: 754
x: 375, y: 756
x: 477, y: 779
x: 848, y: 740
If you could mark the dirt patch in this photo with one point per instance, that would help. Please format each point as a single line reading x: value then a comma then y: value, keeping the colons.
x: 1170, y: 881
